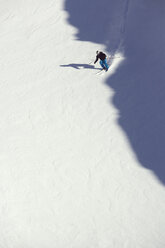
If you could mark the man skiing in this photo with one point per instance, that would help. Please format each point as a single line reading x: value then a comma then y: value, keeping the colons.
x: 103, y: 61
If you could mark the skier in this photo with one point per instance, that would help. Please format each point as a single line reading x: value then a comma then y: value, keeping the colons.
x: 103, y: 61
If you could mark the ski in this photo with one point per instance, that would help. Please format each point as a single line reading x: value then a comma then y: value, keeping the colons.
x: 100, y: 72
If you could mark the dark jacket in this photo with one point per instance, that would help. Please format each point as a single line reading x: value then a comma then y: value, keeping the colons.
x: 101, y: 56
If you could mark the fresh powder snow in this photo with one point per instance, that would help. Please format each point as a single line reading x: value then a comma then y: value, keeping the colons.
x: 81, y: 153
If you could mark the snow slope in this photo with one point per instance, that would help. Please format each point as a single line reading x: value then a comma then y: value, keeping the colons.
x: 72, y: 173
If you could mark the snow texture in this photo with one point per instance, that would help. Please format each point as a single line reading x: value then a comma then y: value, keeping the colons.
x: 81, y: 155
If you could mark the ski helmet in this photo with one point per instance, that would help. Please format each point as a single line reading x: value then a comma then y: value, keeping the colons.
x: 97, y: 52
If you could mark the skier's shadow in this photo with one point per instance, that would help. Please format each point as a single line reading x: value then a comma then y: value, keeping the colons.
x: 80, y: 66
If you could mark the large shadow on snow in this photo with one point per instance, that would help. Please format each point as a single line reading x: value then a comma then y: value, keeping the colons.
x: 139, y: 83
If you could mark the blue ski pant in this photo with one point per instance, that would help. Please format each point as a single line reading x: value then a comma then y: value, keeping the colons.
x: 104, y: 64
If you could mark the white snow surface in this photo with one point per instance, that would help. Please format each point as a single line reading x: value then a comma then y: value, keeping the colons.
x: 69, y: 176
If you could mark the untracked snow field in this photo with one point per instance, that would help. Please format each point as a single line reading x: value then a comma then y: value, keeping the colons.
x: 71, y: 172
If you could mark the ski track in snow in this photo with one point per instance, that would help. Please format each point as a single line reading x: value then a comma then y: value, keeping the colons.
x: 69, y: 177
